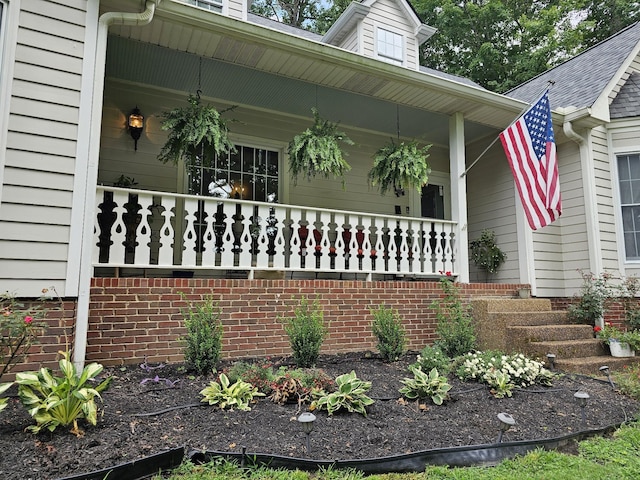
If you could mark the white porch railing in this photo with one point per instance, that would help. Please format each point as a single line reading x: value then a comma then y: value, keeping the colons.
x: 146, y: 229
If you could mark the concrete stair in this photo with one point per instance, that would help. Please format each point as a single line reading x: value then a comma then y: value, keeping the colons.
x: 530, y: 326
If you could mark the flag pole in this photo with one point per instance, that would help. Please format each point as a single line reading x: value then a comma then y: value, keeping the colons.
x: 550, y: 83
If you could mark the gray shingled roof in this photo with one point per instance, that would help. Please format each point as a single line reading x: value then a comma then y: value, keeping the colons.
x: 627, y: 102
x: 580, y: 80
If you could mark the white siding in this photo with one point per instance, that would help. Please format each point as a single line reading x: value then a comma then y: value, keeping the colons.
x: 389, y: 14
x: 236, y: 9
x: 351, y: 41
x: 491, y: 205
x: 41, y: 145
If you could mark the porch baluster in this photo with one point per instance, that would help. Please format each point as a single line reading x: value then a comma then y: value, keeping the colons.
x: 119, y: 229
x: 167, y: 233
x: 142, y: 255
x: 190, y: 238
x: 279, y: 242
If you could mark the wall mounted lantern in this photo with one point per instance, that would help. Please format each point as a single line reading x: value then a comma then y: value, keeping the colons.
x: 136, y: 125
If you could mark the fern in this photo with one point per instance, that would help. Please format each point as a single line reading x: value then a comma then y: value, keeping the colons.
x: 193, y: 128
x: 400, y: 165
x: 316, y: 151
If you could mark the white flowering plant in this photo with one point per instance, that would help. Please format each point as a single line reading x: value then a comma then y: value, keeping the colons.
x: 503, y: 373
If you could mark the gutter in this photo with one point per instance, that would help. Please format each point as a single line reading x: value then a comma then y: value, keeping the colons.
x: 588, y: 184
x: 91, y: 178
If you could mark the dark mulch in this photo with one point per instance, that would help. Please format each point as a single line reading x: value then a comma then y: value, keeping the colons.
x: 130, y: 429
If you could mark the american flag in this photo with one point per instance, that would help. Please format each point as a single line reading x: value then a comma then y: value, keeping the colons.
x: 531, y: 150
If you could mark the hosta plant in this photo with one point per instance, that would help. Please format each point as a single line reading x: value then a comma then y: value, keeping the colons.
x: 3, y: 388
x: 61, y: 401
x: 424, y: 385
x: 350, y: 395
x: 226, y: 395
x: 316, y: 151
x: 400, y: 165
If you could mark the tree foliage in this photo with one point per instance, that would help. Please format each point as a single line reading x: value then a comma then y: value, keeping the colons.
x: 502, y: 43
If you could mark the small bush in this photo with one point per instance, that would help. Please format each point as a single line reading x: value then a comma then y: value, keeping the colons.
x: 225, y: 394
x: 388, y: 329
x: 595, y: 295
x: 297, y: 385
x: 455, y: 326
x: 628, y: 381
x: 424, y: 385
x: 431, y: 357
x: 306, y: 331
x: 204, y: 336
x: 259, y: 374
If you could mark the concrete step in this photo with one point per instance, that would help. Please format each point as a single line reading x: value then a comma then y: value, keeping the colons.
x: 531, y: 318
x: 540, y: 333
x: 591, y: 365
x: 563, y: 349
x: 493, y: 305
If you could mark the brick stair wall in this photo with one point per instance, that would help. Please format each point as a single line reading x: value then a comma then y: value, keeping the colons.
x: 531, y: 326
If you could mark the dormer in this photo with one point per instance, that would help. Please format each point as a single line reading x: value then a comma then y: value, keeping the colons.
x: 389, y: 30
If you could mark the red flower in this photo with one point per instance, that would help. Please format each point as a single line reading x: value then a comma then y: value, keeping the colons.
x: 597, y: 328
x: 28, y: 319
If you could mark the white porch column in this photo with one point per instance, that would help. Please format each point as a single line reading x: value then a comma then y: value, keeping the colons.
x: 459, y: 194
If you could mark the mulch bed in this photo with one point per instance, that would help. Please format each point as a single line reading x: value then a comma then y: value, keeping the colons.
x: 138, y: 420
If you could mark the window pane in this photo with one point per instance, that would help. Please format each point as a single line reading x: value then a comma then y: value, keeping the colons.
x: 634, y: 166
x: 625, y: 193
x: 623, y: 167
x: 629, y: 186
x: 389, y: 44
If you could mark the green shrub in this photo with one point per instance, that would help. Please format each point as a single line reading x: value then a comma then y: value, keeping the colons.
x: 306, y: 331
x: 54, y: 401
x: 225, y: 394
x: 431, y: 357
x: 297, y: 385
x: 455, y: 327
x: 628, y: 380
x: 204, y: 336
x: 424, y: 385
x: 259, y: 374
x: 595, y: 295
x: 388, y: 329
x: 350, y: 394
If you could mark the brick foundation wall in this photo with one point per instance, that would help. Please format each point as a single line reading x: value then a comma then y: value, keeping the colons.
x: 134, y: 318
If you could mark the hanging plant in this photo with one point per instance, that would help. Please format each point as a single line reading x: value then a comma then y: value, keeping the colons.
x: 400, y: 165
x: 316, y: 151
x: 194, y: 129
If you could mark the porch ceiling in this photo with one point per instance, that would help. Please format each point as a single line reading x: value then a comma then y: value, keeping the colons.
x: 247, y: 64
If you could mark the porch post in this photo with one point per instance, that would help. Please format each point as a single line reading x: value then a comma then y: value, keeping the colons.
x: 459, y: 194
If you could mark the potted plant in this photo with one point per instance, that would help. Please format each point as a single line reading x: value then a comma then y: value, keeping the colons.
x: 196, y: 132
x: 316, y: 151
x: 486, y: 254
x: 400, y: 165
x: 621, y: 343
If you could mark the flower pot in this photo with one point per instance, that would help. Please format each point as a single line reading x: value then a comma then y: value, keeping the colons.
x: 524, y: 293
x: 619, y: 349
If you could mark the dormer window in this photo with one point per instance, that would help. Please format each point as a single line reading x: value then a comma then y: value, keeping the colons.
x: 390, y: 46
x: 213, y: 5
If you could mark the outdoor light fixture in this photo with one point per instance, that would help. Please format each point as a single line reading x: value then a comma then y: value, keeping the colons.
x: 135, y: 125
x: 582, y: 397
x: 551, y: 358
x: 506, y: 422
x: 306, y: 419
x: 605, y: 369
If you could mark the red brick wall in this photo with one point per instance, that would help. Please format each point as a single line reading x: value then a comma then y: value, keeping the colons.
x: 131, y: 318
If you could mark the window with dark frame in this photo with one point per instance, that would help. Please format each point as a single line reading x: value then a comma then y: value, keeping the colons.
x: 629, y: 184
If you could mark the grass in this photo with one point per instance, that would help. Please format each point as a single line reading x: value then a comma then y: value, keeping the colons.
x: 599, y: 458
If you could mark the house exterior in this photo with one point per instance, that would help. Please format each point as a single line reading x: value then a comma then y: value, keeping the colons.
x: 89, y: 211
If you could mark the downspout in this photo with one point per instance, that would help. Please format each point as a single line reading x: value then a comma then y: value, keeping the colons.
x: 588, y: 182
x: 86, y: 254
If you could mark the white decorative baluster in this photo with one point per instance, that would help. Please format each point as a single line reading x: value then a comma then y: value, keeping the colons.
x: 414, y: 249
x: 438, y: 250
x: 167, y: 233
x: 118, y: 229
x: 244, y: 257
x: 190, y: 236
x: 448, y: 247
x: 404, y: 246
x: 209, y: 236
x: 378, y: 224
x: 341, y: 260
x: 95, y: 257
x: 279, y: 244
x: 299, y: 250
x: 228, y: 239
x: 325, y: 243
x: 143, y: 232
x: 367, y: 261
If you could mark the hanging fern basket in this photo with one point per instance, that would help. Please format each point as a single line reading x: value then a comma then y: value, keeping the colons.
x: 400, y: 166
x: 316, y: 151
x: 195, y: 130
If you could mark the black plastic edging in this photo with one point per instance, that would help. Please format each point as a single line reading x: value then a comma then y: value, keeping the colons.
x: 473, y: 455
x: 136, y: 469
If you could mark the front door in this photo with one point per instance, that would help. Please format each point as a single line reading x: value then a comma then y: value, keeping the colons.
x: 432, y: 202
